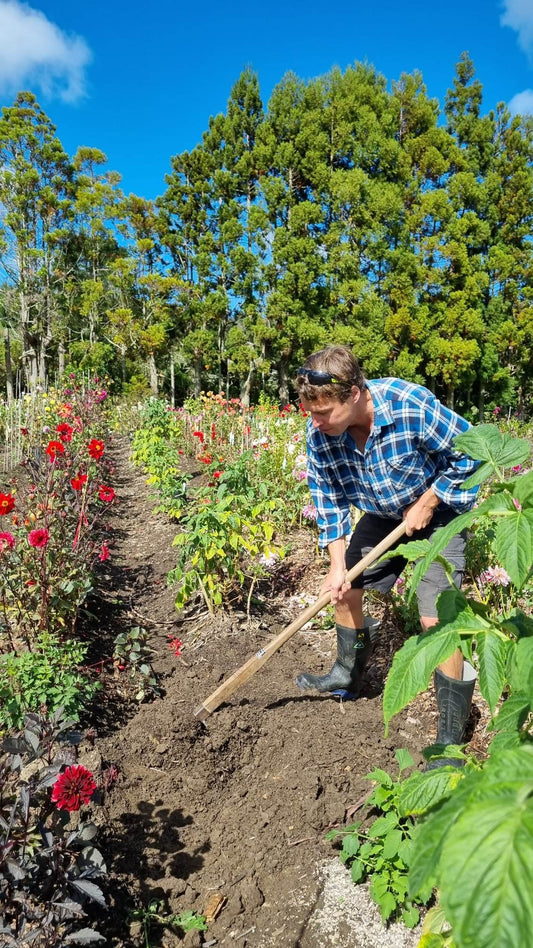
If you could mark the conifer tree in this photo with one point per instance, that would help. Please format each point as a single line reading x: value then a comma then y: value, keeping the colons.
x: 36, y: 201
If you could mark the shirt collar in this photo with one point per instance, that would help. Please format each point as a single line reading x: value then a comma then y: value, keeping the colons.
x: 382, y: 411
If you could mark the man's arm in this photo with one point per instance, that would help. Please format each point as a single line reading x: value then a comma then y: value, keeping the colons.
x: 440, y: 427
x: 335, y: 581
x: 420, y: 512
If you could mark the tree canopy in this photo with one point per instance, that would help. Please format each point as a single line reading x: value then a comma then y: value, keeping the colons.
x: 345, y: 210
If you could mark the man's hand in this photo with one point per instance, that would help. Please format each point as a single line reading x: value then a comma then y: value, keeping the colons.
x: 419, y: 514
x: 335, y: 582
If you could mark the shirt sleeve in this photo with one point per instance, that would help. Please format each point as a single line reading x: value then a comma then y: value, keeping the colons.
x: 334, y: 520
x: 441, y: 426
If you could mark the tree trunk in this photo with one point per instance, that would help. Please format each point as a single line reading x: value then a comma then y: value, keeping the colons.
x: 197, y: 371
x: 61, y: 358
x: 283, y: 382
x: 43, y: 361
x: 246, y: 386
x: 152, y: 368
x: 9, y: 365
x: 450, y: 396
x: 172, y: 382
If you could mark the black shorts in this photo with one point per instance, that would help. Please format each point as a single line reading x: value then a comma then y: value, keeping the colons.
x: 371, y: 529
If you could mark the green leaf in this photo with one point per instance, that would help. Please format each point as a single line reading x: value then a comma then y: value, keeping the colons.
x: 391, y: 843
x: 456, y: 612
x: 404, y: 759
x: 520, y: 667
x: 507, y: 779
x: 430, y: 834
x: 486, y: 873
x: 512, y: 714
x: 522, y: 488
x: 518, y: 623
x: 488, y: 443
x: 357, y: 870
x: 379, y: 886
x: 387, y: 905
x: 413, y: 665
x: 435, y: 921
x: 381, y: 776
x: 481, y: 474
x: 444, y: 752
x: 505, y: 740
x: 350, y: 845
x: 432, y: 940
x: 410, y: 917
x: 511, y: 771
x: 495, y: 504
x: 411, y: 551
x: 440, y: 541
x: 513, y: 545
x: 422, y: 791
x: 492, y: 650
x: 383, y: 824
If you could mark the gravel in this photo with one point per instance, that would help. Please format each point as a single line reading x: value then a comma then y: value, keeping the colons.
x: 346, y: 917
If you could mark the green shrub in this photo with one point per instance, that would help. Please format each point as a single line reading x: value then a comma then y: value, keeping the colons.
x: 48, y: 677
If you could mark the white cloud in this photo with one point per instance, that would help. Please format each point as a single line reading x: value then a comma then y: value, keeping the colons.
x: 35, y: 52
x: 518, y: 14
x: 522, y: 103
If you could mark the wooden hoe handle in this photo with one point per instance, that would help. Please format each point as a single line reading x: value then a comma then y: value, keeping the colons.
x: 260, y: 658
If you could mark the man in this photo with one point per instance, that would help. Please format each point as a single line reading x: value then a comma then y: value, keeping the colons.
x: 386, y: 447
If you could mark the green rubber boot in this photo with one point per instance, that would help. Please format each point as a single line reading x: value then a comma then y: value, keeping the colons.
x: 354, y: 647
x: 454, y: 699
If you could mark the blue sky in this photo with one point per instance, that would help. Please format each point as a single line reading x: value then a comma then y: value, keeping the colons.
x: 140, y: 80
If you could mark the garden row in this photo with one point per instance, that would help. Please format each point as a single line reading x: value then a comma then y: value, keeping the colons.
x: 463, y: 834
x: 54, y: 505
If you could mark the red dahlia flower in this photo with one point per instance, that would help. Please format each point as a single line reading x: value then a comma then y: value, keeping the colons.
x: 54, y: 448
x: 38, y: 538
x: 96, y: 449
x: 7, y: 502
x: 106, y: 493
x: 78, y: 481
x: 6, y: 540
x: 65, y: 431
x: 73, y: 787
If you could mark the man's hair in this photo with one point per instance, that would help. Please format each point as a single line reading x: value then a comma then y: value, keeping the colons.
x: 339, y: 362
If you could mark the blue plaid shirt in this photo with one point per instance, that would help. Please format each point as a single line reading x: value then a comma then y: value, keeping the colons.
x: 409, y: 449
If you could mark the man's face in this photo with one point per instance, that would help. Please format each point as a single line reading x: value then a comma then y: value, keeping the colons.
x: 331, y: 416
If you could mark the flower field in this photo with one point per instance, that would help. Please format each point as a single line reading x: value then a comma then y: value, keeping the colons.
x: 139, y: 574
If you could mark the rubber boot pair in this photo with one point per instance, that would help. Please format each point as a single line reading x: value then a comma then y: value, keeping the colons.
x: 454, y: 699
x: 354, y: 647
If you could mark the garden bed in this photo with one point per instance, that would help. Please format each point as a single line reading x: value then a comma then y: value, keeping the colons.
x: 237, y: 808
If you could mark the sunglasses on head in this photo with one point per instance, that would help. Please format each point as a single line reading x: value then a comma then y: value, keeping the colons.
x: 315, y: 377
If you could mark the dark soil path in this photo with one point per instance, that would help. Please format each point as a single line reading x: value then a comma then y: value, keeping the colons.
x: 238, y: 807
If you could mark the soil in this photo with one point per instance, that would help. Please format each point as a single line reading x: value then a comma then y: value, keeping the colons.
x: 233, y: 811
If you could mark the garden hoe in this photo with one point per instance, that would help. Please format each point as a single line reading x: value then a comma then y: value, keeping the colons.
x: 261, y: 657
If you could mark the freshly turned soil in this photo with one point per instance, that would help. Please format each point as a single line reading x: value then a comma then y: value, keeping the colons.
x: 237, y: 807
